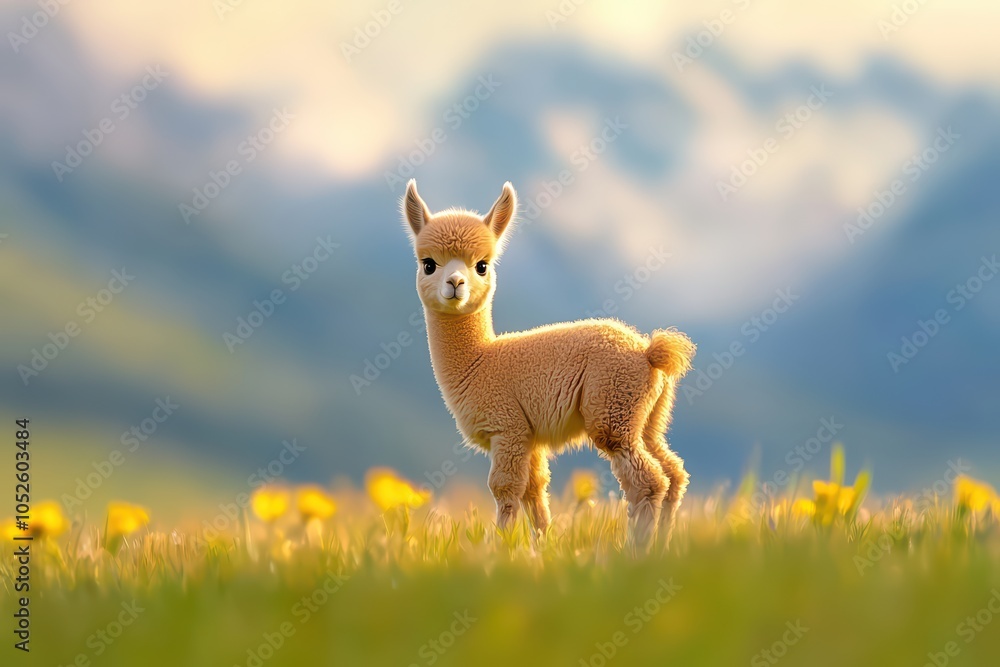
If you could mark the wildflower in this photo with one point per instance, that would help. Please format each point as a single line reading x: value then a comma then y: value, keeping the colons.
x: 270, y: 503
x: 388, y: 490
x: 804, y: 507
x: 314, y: 503
x: 125, y: 518
x: 10, y: 529
x: 46, y: 520
x: 845, y: 499
x: 585, y: 486
x: 973, y: 495
x: 831, y: 499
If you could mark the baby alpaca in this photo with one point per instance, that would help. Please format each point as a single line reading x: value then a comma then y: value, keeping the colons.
x: 522, y: 395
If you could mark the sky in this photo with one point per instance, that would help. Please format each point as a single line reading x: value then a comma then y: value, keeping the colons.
x: 810, y: 183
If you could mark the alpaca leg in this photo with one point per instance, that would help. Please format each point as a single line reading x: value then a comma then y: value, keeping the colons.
x: 614, y: 411
x: 536, y: 496
x: 645, y: 486
x: 673, y: 468
x: 672, y: 464
x: 509, y: 474
x: 623, y: 482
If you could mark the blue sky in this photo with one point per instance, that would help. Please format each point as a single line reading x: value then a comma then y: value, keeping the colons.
x: 800, y: 189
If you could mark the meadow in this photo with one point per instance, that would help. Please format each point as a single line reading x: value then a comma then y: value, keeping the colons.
x: 819, y: 574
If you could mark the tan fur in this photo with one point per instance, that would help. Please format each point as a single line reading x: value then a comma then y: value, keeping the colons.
x: 523, y: 395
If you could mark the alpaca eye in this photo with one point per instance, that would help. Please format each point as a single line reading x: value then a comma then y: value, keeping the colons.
x: 481, y: 267
x: 429, y: 265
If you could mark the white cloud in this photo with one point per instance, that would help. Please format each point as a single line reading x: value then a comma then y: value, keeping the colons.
x: 354, y: 113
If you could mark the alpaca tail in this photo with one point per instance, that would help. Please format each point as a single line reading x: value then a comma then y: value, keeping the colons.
x: 671, y: 352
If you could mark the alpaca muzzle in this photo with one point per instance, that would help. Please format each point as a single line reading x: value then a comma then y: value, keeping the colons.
x: 454, y: 288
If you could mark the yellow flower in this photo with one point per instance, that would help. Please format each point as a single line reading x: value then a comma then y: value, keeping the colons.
x: 388, y: 490
x: 825, y: 492
x: 10, y: 529
x: 270, y: 503
x: 314, y: 503
x: 845, y: 499
x: 826, y: 501
x: 585, y: 485
x: 804, y: 507
x: 973, y: 494
x: 47, y: 520
x: 832, y: 499
x: 125, y: 518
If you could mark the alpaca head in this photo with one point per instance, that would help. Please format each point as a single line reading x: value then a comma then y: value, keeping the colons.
x: 456, y: 251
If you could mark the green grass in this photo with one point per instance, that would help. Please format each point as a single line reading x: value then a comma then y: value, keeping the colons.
x: 884, y: 588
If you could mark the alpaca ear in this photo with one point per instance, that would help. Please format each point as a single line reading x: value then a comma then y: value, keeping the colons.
x: 414, y: 209
x: 503, y: 211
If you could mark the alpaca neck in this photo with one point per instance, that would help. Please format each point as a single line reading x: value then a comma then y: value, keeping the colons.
x: 457, y: 342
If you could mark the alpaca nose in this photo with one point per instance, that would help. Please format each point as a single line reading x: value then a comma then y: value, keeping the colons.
x: 456, y: 279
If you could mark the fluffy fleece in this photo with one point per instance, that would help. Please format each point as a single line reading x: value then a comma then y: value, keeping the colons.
x: 521, y: 396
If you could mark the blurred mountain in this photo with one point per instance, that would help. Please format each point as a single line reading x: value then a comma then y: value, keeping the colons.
x: 292, y: 378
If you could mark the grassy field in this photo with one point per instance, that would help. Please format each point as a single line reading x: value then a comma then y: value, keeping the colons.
x: 412, y: 580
